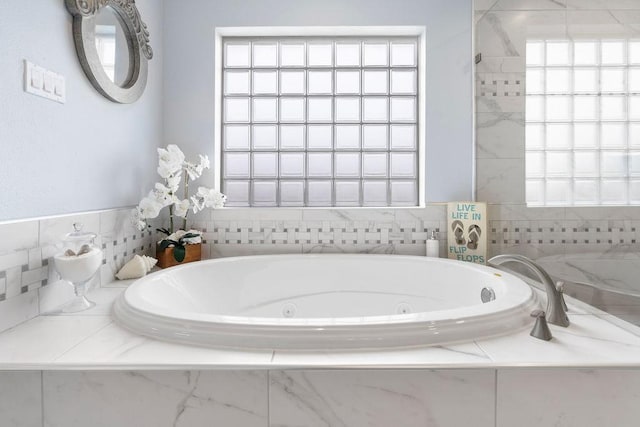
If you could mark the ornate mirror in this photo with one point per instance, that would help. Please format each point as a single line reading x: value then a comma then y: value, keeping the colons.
x: 113, y: 46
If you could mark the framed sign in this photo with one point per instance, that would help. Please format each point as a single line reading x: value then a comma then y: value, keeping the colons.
x: 467, y: 231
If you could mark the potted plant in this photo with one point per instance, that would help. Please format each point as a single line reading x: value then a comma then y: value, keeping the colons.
x: 178, y: 245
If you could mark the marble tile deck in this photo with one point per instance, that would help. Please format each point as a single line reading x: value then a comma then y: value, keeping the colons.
x: 93, y: 341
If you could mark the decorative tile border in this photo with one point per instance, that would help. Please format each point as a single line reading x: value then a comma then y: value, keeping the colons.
x: 249, y: 231
x: 115, y: 254
x: 301, y: 233
x: 566, y: 232
x: 499, y: 84
x: 513, y: 228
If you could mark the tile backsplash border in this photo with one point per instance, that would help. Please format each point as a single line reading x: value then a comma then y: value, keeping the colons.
x: 512, y: 228
x: 29, y: 284
x: 249, y: 231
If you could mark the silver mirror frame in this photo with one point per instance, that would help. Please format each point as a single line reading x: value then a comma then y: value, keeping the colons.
x: 84, y: 15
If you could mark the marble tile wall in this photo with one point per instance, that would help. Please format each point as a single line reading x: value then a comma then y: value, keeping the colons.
x: 540, y: 232
x: 501, y: 398
x: 230, y: 232
x: 502, y: 28
x: 29, y: 284
x: 513, y: 228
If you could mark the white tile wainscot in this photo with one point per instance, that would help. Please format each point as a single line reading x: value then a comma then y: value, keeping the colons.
x: 82, y: 369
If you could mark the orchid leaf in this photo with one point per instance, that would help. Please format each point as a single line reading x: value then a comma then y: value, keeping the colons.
x: 163, y: 231
x: 167, y: 242
x: 190, y: 235
x: 179, y: 252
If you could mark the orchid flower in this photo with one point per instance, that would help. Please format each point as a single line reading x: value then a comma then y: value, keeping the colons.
x: 171, y: 160
x: 181, y: 208
x: 175, y: 170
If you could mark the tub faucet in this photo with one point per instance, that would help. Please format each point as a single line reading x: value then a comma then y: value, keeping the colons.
x: 556, y: 308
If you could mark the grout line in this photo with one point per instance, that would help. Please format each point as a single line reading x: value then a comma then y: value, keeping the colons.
x: 91, y: 334
x: 42, y: 398
x: 268, y: 396
x: 484, y: 351
x: 495, y: 398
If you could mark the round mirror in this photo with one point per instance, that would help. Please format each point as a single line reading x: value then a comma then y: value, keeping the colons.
x: 112, y: 46
x: 112, y: 43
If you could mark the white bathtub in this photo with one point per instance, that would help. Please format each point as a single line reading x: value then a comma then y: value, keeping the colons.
x: 307, y: 302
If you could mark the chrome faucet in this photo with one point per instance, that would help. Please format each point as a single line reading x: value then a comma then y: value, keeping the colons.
x: 556, y: 312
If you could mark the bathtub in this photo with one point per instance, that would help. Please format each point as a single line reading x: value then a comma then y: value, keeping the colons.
x: 315, y: 302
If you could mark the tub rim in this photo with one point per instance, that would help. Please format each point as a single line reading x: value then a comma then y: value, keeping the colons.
x: 397, y: 330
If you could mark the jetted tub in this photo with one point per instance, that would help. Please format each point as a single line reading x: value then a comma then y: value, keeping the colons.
x: 312, y: 302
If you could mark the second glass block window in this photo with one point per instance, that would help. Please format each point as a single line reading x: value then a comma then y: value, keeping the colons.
x: 317, y: 122
x: 582, y: 122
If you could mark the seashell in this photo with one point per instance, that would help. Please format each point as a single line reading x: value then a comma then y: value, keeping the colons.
x: 85, y: 249
x: 137, y: 267
x: 150, y: 262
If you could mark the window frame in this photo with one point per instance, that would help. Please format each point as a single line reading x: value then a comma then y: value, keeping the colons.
x: 362, y: 32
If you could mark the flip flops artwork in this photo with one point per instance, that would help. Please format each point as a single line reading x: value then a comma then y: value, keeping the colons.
x: 467, y: 236
x: 472, y: 234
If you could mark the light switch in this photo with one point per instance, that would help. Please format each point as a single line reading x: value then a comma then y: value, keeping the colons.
x: 48, y: 82
x: 58, y: 85
x: 44, y: 83
x: 60, y: 90
x: 36, y: 78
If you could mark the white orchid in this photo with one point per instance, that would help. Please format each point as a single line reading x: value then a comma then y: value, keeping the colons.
x: 174, y: 169
x: 164, y: 171
x: 171, y: 161
x: 149, y: 208
x: 209, y: 198
x: 173, y: 182
x: 213, y: 198
x: 204, y: 161
x: 194, y: 171
x: 181, y: 208
x: 137, y: 220
x: 162, y: 194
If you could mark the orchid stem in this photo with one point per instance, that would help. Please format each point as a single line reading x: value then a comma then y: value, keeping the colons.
x: 186, y: 196
x: 171, y: 218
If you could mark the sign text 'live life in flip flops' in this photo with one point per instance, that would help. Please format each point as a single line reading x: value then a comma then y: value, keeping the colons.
x: 467, y: 231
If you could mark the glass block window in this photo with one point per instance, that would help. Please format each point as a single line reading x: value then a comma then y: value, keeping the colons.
x: 319, y: 122
x: 582, y: 122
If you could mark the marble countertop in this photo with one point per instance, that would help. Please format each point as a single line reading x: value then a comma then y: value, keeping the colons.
x: 92, y: 341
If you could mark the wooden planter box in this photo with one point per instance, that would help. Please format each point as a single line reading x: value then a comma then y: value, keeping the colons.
x: 166, y: 259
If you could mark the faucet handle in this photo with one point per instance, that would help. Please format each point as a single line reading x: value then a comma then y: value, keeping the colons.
x: 540, y: 328
x: 560, y: 288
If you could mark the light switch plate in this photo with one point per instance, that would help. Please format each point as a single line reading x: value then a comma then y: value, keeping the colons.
x: 44, y: 83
